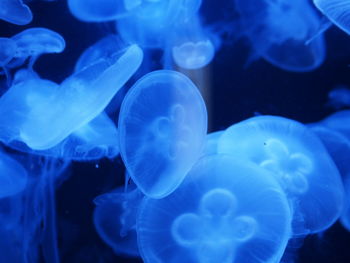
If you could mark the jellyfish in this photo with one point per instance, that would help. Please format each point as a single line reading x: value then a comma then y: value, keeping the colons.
x: 15, y: 12
x: 193, y: 47
x: 115, y: 220
x: 92, y: 141
x: 298, y: 160
x: 339, y: 97
x: 212, y: 142
x: 226, y: 211
x: 162, y: 128
x: 339, y: 122
x: 97, y: 10
x: 337, y: 11
x: 34, y: 42
x: 103, y: 48
x: 45, y: 115
x: 278, y: 31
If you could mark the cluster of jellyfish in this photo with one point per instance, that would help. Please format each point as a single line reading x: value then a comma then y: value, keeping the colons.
x: 241, y: 194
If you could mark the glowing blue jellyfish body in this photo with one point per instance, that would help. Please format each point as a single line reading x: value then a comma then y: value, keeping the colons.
x: 337, y: 11
x: 298, y: 160
x: 102, y: 49
x: 97, y: 10
x: 115, y: 220
x: 13, y: 177
x: 46, y: 115
x: 278, y: 31
x: 15, y: 12
x: 150, y: 19
x: 193, y: 47
x: 162, y: 129
x: 34, y: 42
x: 224, y: 211
x: 7, y: 50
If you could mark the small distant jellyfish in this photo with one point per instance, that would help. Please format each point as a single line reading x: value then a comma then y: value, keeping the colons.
x: 296, y: 157
x: 162, y: 129
x: 278, y: 31
x: 13, y: 177
x: 34, y: 42
x: 15, y: 12
x: 339, y: 97
x: 115, y: 220
x: 337, y: 11
x: 193, y: 47
x: 97, y: 10
x: 225, y: 211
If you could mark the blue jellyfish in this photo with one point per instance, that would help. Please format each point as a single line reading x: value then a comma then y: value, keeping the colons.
x: 115, y: 220
x: 97, y: 10
x: 13, y: 178
x: 337, y: 11
x: 15, y: 12
x: 36, y: 41
x: 298, y: 160
x: 212, y: 142
x: 278, y: 31
x: 162, y: 128
x: 45, y: 115
x: 193, y: 47
x: 339, y: 97
x: 226, y: 211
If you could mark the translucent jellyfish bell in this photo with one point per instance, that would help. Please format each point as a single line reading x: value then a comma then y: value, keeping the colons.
x: 298, y: 160
x: 162, y: 128
x: 115, y: 220
x: 337, y: 11
x: 278, y: 31
x: 15, y: 12
x: 36, y: 41
x: 225, y: 211
x: 192, y: 45
x: 13, y: 177
x: 79, y: 99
